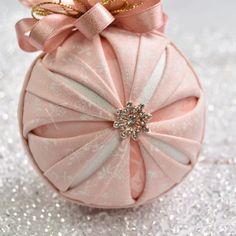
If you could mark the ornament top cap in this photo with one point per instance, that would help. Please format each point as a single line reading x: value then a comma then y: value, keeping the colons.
x: 52, y: 22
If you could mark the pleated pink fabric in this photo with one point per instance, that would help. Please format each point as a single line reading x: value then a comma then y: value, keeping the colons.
x: 68, y: 107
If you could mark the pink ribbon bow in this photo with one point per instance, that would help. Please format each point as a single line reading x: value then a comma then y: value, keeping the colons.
x: 49, y: 32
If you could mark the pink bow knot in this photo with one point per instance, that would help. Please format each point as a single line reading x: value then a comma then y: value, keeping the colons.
x: 48, y: 33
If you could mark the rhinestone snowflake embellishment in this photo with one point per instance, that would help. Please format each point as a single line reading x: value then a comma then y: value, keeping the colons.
x: 131, y: 120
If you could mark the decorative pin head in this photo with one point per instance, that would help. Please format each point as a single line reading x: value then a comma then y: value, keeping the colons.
x: 131, y: 120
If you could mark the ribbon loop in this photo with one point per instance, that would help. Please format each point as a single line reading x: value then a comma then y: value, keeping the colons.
x: 149, y: 17
x: 22, y: 28
x: 50, y: 32
x: 94, y: 21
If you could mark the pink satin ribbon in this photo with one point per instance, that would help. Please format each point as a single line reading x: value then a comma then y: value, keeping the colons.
x: 49, y: 32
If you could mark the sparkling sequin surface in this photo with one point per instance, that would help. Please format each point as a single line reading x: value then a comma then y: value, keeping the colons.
x: 204, y: 204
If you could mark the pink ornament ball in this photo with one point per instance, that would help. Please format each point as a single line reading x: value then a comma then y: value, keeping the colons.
x: 115, y: 121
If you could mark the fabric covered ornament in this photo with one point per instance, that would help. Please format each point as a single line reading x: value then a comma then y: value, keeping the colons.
x: 112, y: 120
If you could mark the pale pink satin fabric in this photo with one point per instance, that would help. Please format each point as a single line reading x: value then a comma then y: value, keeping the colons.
x: 67, y: 111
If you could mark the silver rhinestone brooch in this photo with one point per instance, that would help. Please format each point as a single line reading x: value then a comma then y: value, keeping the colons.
x: 131, y: 120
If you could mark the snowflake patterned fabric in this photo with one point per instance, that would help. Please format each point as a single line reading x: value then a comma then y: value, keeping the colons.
x: 68, y: 117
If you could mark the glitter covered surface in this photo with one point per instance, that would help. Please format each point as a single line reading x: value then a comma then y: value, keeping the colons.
x: 204, y: 204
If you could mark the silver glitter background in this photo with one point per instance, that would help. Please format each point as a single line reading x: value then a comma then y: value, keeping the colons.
x: 204, y: 204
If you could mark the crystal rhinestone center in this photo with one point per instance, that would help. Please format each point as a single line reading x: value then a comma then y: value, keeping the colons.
x: 131, y: 120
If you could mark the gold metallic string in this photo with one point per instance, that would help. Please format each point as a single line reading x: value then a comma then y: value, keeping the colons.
x: 43, y: 9
x: 126, y: 7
